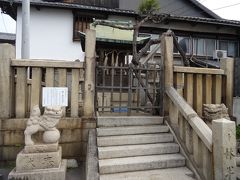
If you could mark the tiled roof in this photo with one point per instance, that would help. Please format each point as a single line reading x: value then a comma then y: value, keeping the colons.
x: 206, y: 20
x: 73, y: 6
x: 205, y: 9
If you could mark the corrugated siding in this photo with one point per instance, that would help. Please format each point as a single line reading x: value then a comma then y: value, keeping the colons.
x: 99, y: 3
x: 237, y: 77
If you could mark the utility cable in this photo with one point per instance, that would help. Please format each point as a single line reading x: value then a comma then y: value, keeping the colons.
x: 226, y: 6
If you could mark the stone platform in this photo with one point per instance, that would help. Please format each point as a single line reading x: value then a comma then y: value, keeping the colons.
x: 43, y: 160
x: 41, y: 174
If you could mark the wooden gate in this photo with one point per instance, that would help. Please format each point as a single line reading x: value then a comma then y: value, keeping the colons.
x: 129, y: 90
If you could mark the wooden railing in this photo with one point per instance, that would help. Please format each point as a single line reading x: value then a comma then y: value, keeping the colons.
x: 31, y: 75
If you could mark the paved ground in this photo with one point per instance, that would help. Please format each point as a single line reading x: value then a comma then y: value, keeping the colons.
x: 72, y: 174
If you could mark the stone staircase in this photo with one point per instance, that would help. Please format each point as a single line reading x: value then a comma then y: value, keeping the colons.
x: 138, y: 148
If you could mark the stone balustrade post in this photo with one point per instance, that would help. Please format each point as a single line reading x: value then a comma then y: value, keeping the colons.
x: 7, y: 52
x: 224, y: 149
x: 89, y: 87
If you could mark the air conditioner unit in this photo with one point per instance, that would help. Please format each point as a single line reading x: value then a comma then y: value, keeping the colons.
x: 219, y: 54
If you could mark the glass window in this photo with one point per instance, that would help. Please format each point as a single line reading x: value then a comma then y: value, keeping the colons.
x: 223, y: 45
x: 194, y: 50
x: 184, y: 43
x: 200, y: 47
x: 210, y: 46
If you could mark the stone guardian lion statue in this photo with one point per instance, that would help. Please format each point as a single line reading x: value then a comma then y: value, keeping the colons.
x: 46, y: 123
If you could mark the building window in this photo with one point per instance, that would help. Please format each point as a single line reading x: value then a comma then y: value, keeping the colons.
x: 210, y: 46
x: 80, y: 24
x: 230, y: 46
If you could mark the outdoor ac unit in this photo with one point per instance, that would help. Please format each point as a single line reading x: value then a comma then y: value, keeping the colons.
x: 219, y: 54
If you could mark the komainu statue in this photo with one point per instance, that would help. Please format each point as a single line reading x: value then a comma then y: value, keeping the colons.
x: 47, y: 123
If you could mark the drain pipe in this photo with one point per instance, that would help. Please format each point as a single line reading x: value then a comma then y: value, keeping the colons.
x: 25, y: 51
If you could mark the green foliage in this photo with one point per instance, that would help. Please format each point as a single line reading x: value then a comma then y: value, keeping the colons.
x: 148, y: 6
x: 238, y: 132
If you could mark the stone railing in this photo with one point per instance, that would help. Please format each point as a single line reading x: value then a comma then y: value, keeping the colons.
x: 211, y: 152
x: 22, y: 80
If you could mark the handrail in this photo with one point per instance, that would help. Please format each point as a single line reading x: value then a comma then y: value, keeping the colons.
x: 46, y: 63
x: 198, y: 125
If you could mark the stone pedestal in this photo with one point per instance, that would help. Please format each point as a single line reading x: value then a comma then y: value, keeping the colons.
x: 40, y: 162
x: 41, y: 174
x: 224, y: 149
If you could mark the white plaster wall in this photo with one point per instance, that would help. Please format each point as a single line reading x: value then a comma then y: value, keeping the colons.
x: 51, y: 34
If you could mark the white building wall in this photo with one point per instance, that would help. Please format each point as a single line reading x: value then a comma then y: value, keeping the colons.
x: 51, y: 35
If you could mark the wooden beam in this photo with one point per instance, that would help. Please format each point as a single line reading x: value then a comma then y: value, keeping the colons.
x: 46, y: 63
x: 194, y: 70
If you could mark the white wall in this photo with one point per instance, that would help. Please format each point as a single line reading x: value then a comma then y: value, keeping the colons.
x: 51, y: 34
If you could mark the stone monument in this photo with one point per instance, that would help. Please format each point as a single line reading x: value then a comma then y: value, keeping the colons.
x: 41, y: 160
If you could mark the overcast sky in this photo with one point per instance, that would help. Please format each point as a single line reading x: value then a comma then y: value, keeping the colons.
x: 228, y: 9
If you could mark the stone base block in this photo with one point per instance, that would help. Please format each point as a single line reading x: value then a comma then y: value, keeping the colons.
x: 32, y: 161
x: 44, y: 174
x: 39, y: 148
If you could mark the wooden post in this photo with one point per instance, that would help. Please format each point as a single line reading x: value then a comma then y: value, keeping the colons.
x: 89, y: 86
x: 7, y: 52
x: 224, y: 149
x: 227, y: 65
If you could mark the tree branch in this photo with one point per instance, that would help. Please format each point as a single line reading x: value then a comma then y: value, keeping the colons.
x: 145, y: 49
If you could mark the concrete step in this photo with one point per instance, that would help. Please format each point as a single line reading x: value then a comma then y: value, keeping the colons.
x: 180, y: 173
x: 113, y: 131
x: 116, y: 121
x: 130, y: 164
x: 134, y: 139
x: 137, y: 150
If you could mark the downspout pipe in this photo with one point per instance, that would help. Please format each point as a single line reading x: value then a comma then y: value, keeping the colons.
x: 25, y: 51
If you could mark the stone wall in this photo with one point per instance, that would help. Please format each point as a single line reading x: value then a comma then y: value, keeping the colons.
x: 74, y: 137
